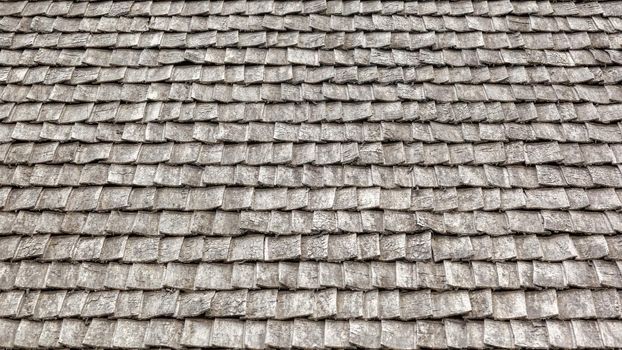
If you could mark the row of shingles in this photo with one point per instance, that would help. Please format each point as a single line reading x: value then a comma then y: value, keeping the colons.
x: 181, y: 92
x: 377, y: 40
x: 467, y: 164
x: 424, y: 246
x: 231, y: 74
x: 286, y: 92
x: 313, y: 112
x: 231, y: 223
x: 359, y: 276
x: 323, y: 132
x: 241, y: 198
x: 209, y: 25
x: 346, y: 179
x: 264, y: 37
x: 338, y: 40
x: 281, y: 8
x: 331, y: 198
x: 308, y: 334
x: 314, y: 304
x: 424, y: 167
x: 351, y: 275
x: 366, y: 122
x: 318, y: 24
x: 234, y: 280
x: 545, y: 274
x: 338, y: 201
x: 303, y: 275
x: 308, y: 57
x: 291, y: 156
x: 378, y: 165
x: 218, y: 300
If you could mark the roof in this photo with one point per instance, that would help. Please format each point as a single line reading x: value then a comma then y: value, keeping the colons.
x: 311, y: 174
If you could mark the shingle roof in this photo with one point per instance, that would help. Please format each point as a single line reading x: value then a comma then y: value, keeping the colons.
x: 311, y: 174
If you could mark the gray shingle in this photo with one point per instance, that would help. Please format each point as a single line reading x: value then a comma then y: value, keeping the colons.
x: 164, y: 333
x: 129, y: 333
x: 196, y: 333
x: 450, y: 304
x: 586, y: 333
